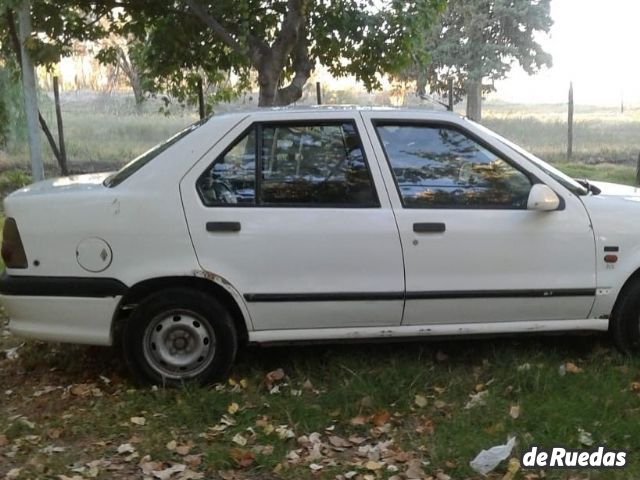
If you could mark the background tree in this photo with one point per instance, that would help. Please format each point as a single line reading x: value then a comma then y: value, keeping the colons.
x: 481, y: 40
x: 281, y: 40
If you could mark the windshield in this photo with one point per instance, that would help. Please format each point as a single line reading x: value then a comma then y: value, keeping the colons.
x: 565, y: 180
x: 137, y: 163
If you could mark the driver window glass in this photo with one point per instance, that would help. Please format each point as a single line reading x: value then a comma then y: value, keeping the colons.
x: 439, y: 167
x: 231, y: 178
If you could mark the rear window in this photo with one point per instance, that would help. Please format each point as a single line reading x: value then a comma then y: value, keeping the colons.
x: 137, y: 163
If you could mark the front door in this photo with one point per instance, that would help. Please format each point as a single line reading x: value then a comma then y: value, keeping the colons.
x: 292, y: 215
x: 473, y: 252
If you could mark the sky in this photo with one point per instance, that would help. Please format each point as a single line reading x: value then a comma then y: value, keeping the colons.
x: 595, y: 44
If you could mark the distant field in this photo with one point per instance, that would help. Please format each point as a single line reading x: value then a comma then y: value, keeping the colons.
x: 105, y: 131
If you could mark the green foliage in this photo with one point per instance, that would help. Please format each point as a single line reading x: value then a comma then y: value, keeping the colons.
x: 352, y: 39
x: 12, y: 119
x: 480, y: 39
x: 14, y: 179
x: 348, y: 36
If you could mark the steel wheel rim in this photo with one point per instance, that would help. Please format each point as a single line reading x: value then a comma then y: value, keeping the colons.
x: 179, y: 344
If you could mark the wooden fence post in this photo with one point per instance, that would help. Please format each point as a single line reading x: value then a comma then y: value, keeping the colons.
x: 318, y: 93
x: 201, y: 106
x: 450, y: 92
x: 570, y: 123
x: 62, y: 160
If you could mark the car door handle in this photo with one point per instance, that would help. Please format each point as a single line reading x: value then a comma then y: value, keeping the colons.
x: 223, y: 226
x: 429, y: 227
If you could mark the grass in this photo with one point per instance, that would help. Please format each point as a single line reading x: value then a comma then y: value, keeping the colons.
x: 347, y: 391
x: 601, y: 135
x: 65, y: 410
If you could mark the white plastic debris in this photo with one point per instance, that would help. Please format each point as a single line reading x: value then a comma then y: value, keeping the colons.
x: 487, y: 460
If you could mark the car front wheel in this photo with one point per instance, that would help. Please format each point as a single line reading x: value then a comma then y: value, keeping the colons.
x: 625, y: 321
x: 179, y: 335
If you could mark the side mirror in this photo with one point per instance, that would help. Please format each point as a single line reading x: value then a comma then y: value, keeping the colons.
x: 542, y: 199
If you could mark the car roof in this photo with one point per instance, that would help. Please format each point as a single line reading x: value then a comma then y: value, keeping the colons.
x: 311, y: 109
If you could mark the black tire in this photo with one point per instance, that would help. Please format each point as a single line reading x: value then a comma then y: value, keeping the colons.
x: 625, y: 320
x: 179, y: 335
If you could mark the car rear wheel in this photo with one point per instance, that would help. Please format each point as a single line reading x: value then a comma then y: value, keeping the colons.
x: 179, y: 335
x: 625, y: 320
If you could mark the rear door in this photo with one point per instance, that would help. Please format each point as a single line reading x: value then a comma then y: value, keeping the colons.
x: 292, y: 214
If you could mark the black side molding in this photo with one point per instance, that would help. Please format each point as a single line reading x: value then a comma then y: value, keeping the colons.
x: 223, y: 226
x: 429, y: 227
x: 414, y: 295
x: 460, y: 294
x: 323, y: 297
x: 61, y: 286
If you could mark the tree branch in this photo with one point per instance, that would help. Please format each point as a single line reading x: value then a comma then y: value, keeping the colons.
x: 302, y: 65
x: 290, y: 30
x: 224, y: 34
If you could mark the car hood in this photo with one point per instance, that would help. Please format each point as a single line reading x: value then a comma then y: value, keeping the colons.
x: 74, y: 183
x: 617, y: 190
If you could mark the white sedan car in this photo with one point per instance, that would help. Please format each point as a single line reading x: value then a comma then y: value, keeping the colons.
x: 318, y: 224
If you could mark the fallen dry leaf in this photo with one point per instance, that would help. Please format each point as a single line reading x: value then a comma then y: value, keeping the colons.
x: 167, y: 473
x: 339, y: 442
x: 571, y: 367
x: 512, y: 469
x: 190, y: 475
x: 13, y: 473
x: 635, y: 387
x: 171, y: 445
x: 420, y: 401
x: 274, y: 376
x: 380, y: 418
x: 284, y: 432
x: 239, y: 439
x: 193, y: 460
x: 138, y: 420
x: 86, y: 390
x: 242, y: 457
x: 359, y: 420
x: 147, y: 466
x: 414, y: 470
x: 126, y: 448
x: 373, y: 465
x: 514, y: 411
x: 184, y: 449
x: 233, y: 408
x: 477, y: 399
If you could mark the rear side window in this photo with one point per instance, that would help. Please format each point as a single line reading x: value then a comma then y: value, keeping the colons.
x: 441, y: 167
x: 315, y: 164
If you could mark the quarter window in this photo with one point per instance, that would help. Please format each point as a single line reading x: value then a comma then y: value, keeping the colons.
x: 440, y: 167
x: 231, y: 178
x: 300, y: 165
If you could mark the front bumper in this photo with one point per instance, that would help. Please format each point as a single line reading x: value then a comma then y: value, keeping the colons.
x: 61, y: 309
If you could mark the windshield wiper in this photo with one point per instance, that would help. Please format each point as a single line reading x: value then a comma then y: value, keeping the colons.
x: 590, y: 188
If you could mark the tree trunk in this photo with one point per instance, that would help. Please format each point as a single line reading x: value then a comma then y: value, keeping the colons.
x: 132, y: 75
x: 474, y: 99
x: 30, y: 93
x: 268, y: 84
